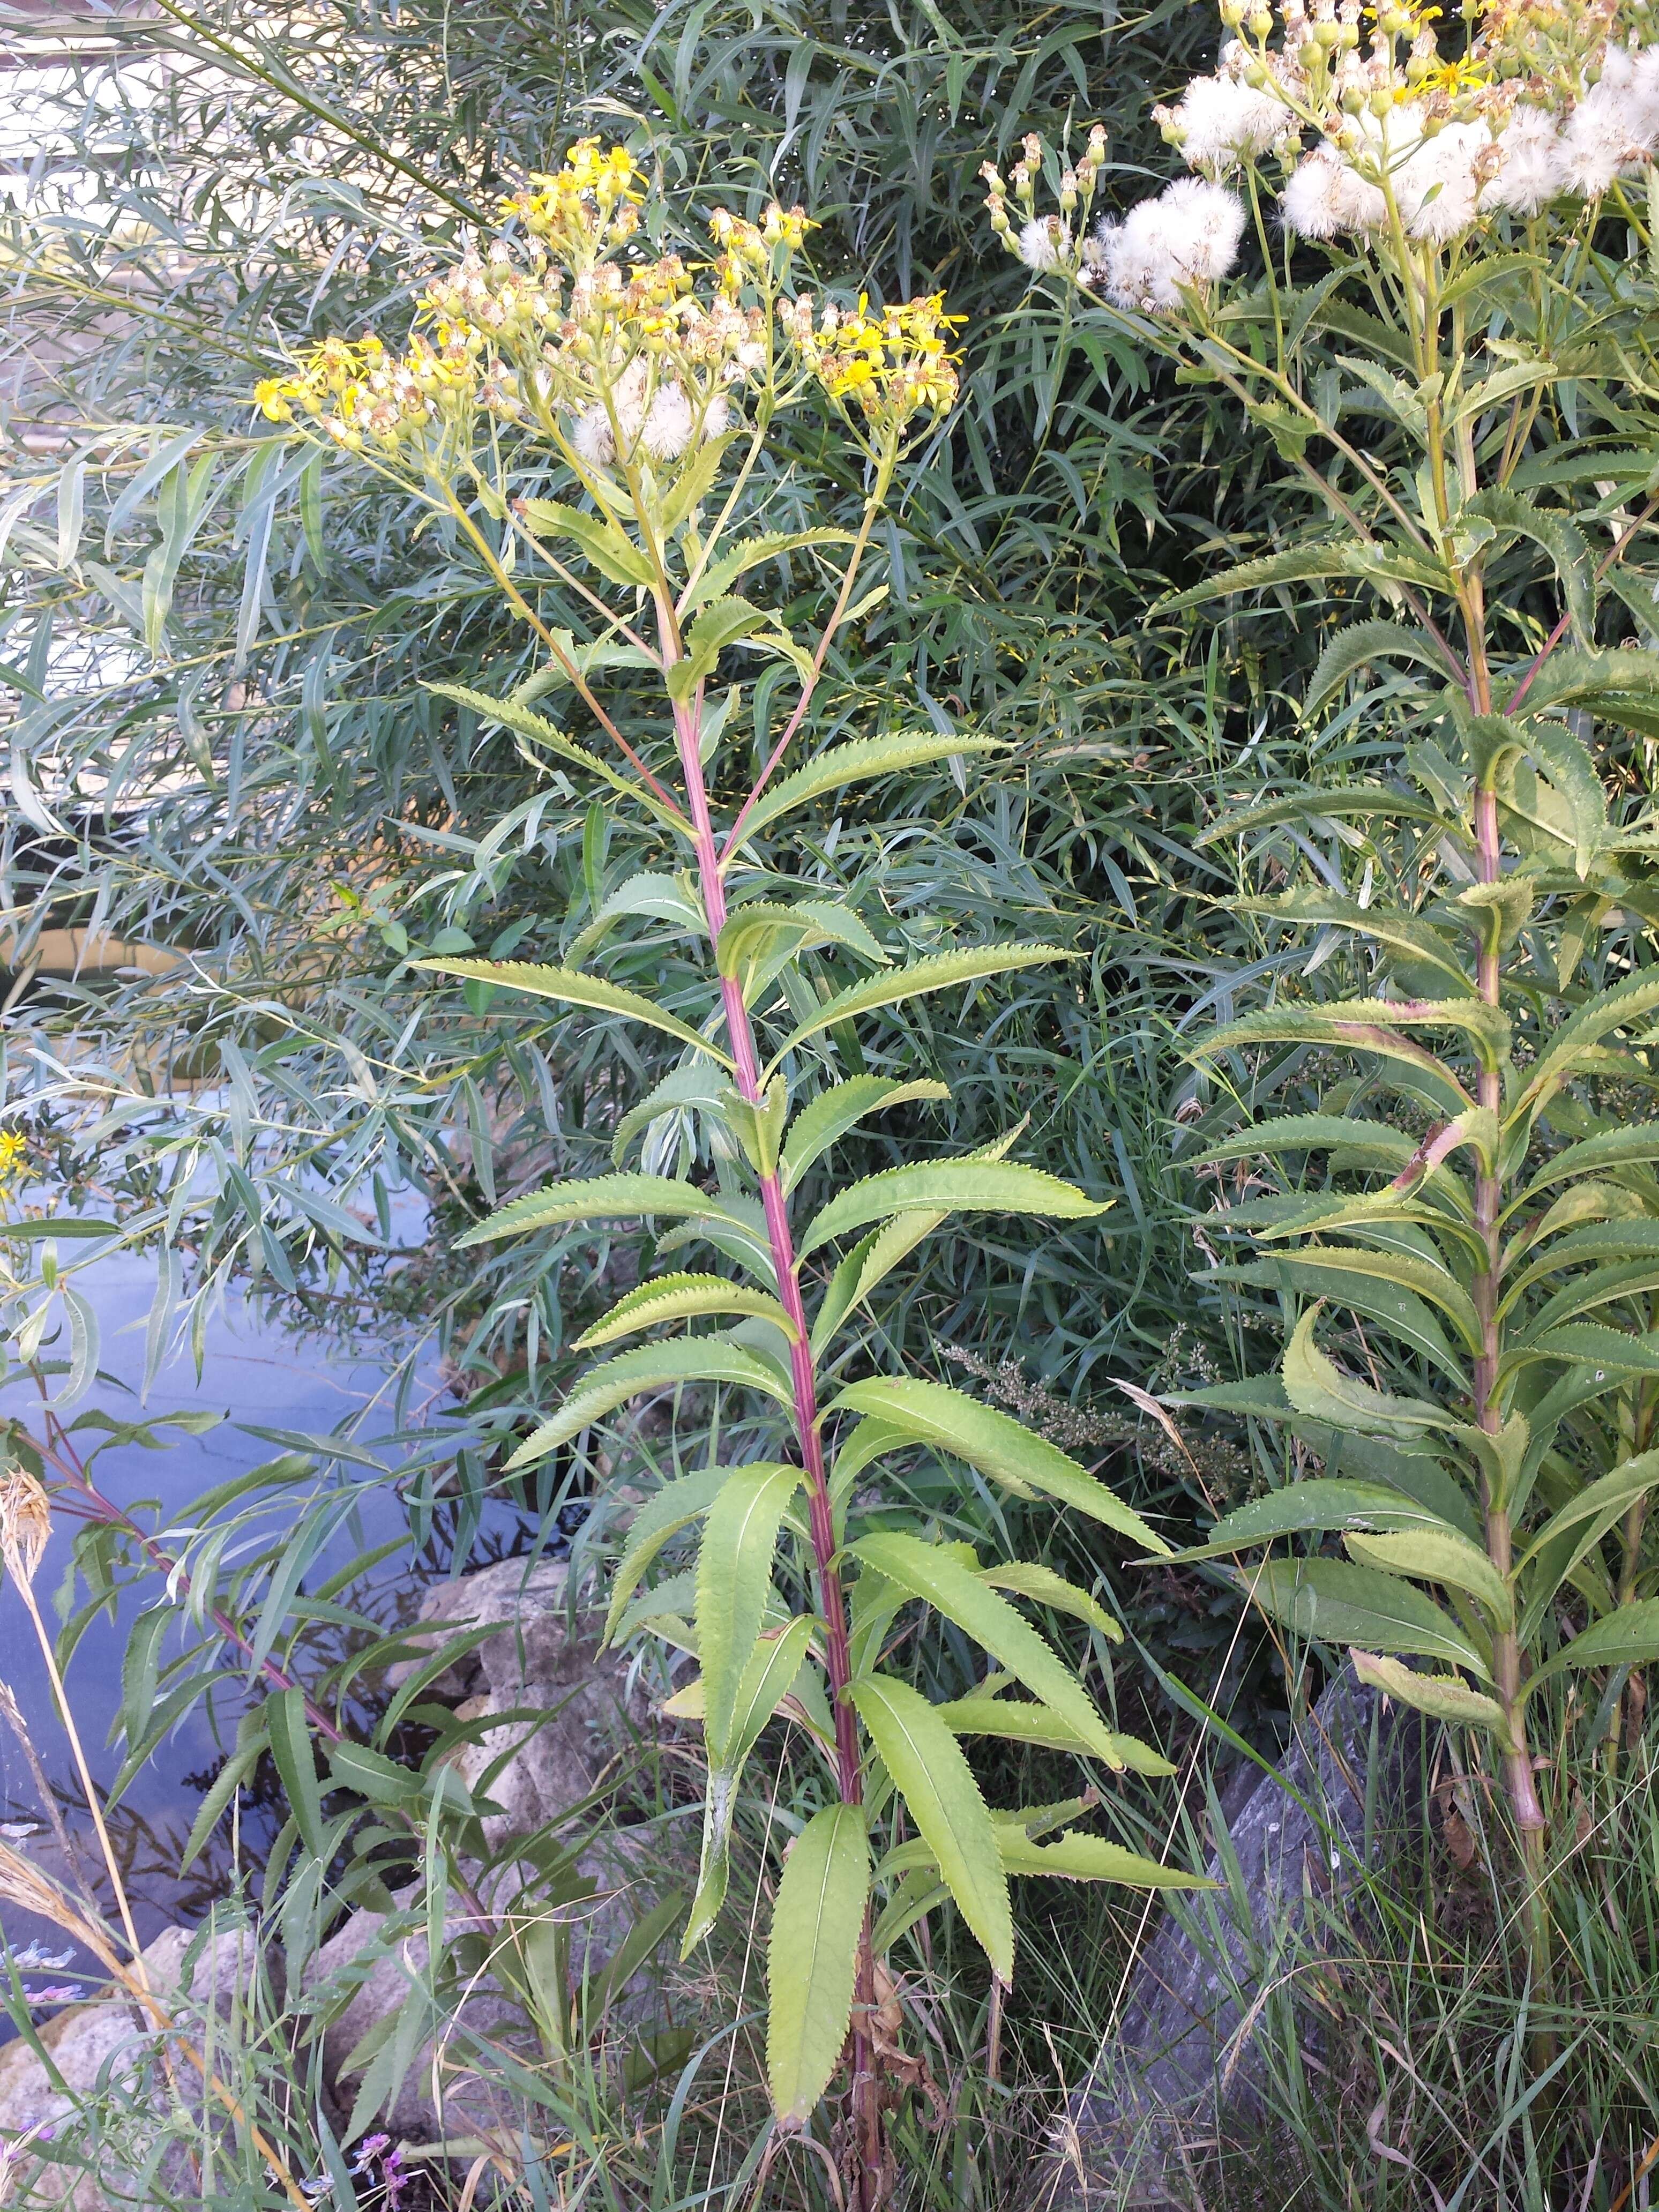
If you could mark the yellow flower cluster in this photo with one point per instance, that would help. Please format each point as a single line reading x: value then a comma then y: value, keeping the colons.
x: 554, y: 326
x: 13, y: 1158
x: 892, y: 365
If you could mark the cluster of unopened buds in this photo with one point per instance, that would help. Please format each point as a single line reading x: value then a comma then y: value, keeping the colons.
x: 556, y: 326
x: 1550, y: 103
x: 1047, y: 241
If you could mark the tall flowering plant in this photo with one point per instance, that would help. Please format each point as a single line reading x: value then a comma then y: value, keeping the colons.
x: 591, y: 417
x: 1444, y: 328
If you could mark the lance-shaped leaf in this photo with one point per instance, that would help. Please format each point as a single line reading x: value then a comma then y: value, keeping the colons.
x: 1371, y: 1025
x: 570, y: 988
x: 1304, y: 564
x: 1301, y: 1132
x: 540, y: 732
x: 1626, y: 1638
x: 812, y: 1958
x: 997, y: 1445
x: 734, y: 1579
x: 648, y: 897
x: 942, y: 1800
x: 756, y: 935
x: 682, y: 1298
x: 1610, y: 1353
x: 948, y: 1187
x: 1635, y: 1146
x: 1017, y: 1720
x: 856, y: 762
x: 601, y: 1198
x: 1629, y: 1236
x: 748, y: 553
x: 1600, y: 1286
x: 1438, y: 1555
x: 939, y: 973
x: 605, y: 544
x: 841, y: 1108
x: 688, y: 1359
x: 1042, y: 1586
x: 868, y: 1263
x: 1402, y: 1312
x: 1302, y: 1509
x: 774, y: 1669
x: 1438, y: 1286
x: 1632, y: 1000
x: 1360, y: 644
x: 941, y: 1579
x: 661, y: 1518
x: 1341, y: 1603
x: 1359, y: 800
x: 694, y: 1084
x: 1077, y: 1857
x: 1317, y: 1388
x: 1559, y: 539
x: 1442, y: 1696
x: 1409, y: 933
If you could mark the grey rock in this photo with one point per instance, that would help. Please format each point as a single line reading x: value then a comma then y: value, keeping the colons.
x: 1183, y: 2064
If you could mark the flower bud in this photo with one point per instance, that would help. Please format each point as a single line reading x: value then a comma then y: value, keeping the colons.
x: 1255, y: 75
x: 1262, y: 23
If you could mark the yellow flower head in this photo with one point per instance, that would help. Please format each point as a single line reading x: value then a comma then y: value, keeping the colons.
x: 893, y: 364
x: 13, y: 1158
x: 580, y: 210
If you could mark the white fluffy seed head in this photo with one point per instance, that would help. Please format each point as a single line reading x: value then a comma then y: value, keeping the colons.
x: 1437, y: 188
x: 1039, y: 243
x: 1188, y: 236
x: 590, y: 435
x: 1533, y: 173
x: 1325, y: 198
x: 1223, y: 122
x: 668, y: 424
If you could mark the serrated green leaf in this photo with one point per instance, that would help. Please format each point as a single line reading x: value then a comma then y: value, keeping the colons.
x: 1314, y: 906
x: 1316, y: 1506
x: 942, y: 1800
x: 1341, y: 1603
x: 841, y: 1108
x: 648, y: 897
x: 601, y: 1198
x: 758, y: 934
x: 1442, y: 1696
x: 936, y: 1576
x: 1627, y: 1638
x: 948, y: 1187
x: 651, y: 1367
x: 538, y: 731
x: 693, y: 1085
x: 681, y: 1297
x: 1360, y: 643
x: 1042, y: 1586
x: 856, y: 762
x: 752, y: 553
x: 1305, y: 564
x: 865, y: 1266
x: 997, y: 1445
x: 1560, y: 539
x: 1437, y: 1555
x: 1077, y: 1857
x: 1436, y: 1286
x: 1335, y: 805
x: 812, y: 1958
x: 734, y: 1579
x: 609, y: 549
x: 570, y: 988
x: 1371, y: 1025
x: 1607, y: 1011
x: 939, y: 973
x: 774, y: 1666
x: 1011, y: 1720
x: 1316, y: 1388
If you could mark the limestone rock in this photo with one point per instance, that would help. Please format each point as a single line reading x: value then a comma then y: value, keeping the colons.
x: 1183, y: 2062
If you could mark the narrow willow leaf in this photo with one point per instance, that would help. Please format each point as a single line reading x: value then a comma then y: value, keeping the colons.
x: 662, y: 1516
x: 1077, y: 1857
x: 289, y: 1731
x: 601, y: 1198
x: 812, y: 1958
x: 937, y: 1576
x: 1316, y: 1388
x: 939, y: 973
x: 942, y: 1800
x: 997, y: 1445
x: 856, y: 762
x: 841, y: 1108
x: 1015, y: 1720
x: 1340, y: 1603
x: 688, y: 1359
x: 734, y: 1580
x: 570, y: 988
x: 948, y: 1187
x: 1442, y: 1696
x: 681, y: 1297
x: 774, y: 1668
x: 1626, y: 1638
x: 1025, y: 1578
x: 1304, y: 1507
x: 1438, y: 1555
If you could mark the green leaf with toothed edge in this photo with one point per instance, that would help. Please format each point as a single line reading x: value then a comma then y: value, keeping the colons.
x: 812, y: 1957
x: 752, y: 553
x: 856, y: 762
x: 1042, y: 1586
x: 948, y: 1187
x: 774, y: 1666
x: 1409, y: 933
x: 841, y: 1108
x: 938, y: 973
x: 661, y: 1518
x: 693, y: 1085
x: 601, y: 1198
x: 651, y: 1367
x: 1637, y: 997
x: 1009, y: 1720
x: 1359, y: 645
x: 1341, y: 1603
x: 1442, y: 1696
x: 1362, y: 799
x: 681, y: 1297
x: 1318, y: 1389
x: 867, y: 1264
x: 1437, y: 1555
x: 1420, y: 1277
x: 1316, y: 1507
x: 932, y: 1413
x: 1626, y: 1638
x: 538, y: 731
x: 734, y: 1579
x: 1305, y: 564
x: 944, y: 1802
x: 570, y: 988
x: 939, y: 1579
x: 1369, y: 1025
x: 646, y: 898
x: 1299, y: 1132
x: 755, y: 936
x: 1079, y: 1857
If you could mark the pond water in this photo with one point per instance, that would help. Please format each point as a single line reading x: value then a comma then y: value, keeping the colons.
x: 256, y: 1376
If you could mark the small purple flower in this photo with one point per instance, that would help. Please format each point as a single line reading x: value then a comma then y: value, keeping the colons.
x: 55, y: 1993
x: 367, y: 2150
x: 395, y: 2176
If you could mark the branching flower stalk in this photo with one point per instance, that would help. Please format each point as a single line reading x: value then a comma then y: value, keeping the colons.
x: 556, y: 360
x: 1459, y: 227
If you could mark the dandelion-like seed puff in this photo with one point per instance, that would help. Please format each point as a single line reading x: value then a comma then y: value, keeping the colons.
x: 1551, y: 102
